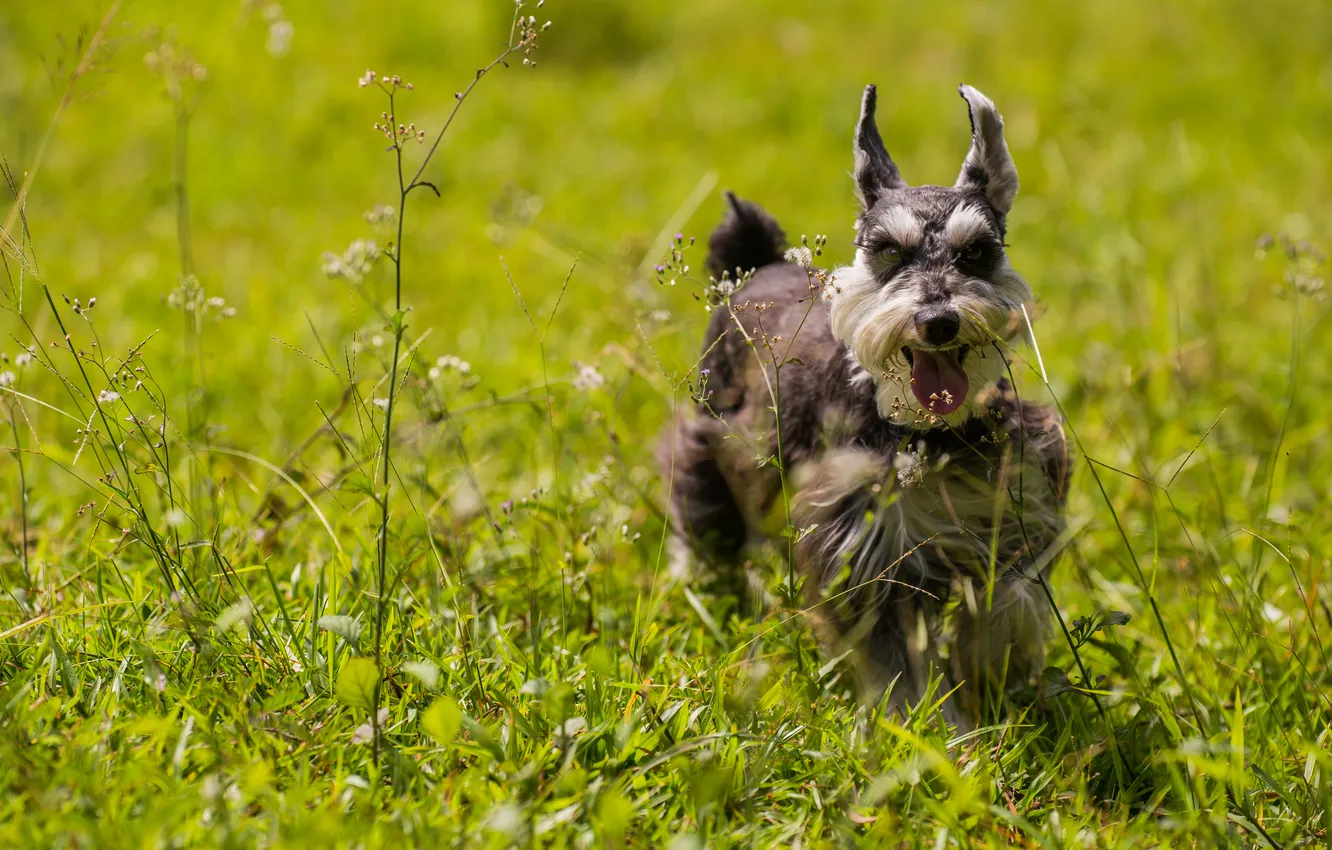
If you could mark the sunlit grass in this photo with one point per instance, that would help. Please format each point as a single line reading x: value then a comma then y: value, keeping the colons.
x: 192, y: 582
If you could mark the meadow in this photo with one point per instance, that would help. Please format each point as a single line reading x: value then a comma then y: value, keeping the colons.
x: 329, y: 514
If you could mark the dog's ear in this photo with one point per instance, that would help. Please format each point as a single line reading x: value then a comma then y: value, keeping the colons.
x: 988, y: 166
x: 875, y: 172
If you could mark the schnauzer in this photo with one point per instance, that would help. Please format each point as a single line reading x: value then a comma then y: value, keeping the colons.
x: 923, y: 496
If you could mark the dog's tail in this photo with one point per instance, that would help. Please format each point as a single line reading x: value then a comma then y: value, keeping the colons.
x: 747, y: 238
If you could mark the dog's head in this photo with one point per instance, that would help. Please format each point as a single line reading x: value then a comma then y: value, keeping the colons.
x: 931, y: 299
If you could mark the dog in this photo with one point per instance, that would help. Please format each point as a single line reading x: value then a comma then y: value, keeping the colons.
x: 867, y: 419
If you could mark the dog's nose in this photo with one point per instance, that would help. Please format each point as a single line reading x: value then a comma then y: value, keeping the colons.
x: 938, y: 328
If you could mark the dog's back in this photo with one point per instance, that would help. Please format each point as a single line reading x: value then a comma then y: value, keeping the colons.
x: 719, y: 455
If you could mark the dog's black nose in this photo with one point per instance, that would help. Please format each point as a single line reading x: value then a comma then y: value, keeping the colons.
x: 938, y: 328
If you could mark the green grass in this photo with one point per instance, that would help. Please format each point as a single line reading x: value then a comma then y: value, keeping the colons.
x: 583, y: 695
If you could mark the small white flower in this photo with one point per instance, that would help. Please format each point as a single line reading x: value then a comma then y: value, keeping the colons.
x: 720, y: 290
x: 434, y: 373
x: 332, y: 264
x: 108, y: 397
x: 365, y: 733
x: 175, y: 517
x: 377, y: 341
x: 381, y: 214
x: 354, y: 263
x: 453, y: 363
x: 588, y: 378
x: 910, y: 466
x: 382, y: 403
x: 279, y: 38
x: 22, y: 360
x: 7, y: 379
x: 368, y: 78
x: 800, y: 256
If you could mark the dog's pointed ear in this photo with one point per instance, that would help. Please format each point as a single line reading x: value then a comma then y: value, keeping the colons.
x: 875, y: 172
x: 988, y: 167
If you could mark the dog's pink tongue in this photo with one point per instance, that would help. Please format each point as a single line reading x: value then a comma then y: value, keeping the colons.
x: 938, y: 381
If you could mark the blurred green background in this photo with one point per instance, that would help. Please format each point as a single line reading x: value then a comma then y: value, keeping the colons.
x: 1155, y: 142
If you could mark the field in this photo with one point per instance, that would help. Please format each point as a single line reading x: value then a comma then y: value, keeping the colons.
x: 334, y: 519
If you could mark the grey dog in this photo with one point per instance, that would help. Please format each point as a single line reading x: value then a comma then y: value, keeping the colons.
x: 924, y: 495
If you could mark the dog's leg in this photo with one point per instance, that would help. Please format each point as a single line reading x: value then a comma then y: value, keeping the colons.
x: 901, y: 651
x: 703, y: 511
x: 710, y: 529
x: 999, y: 642
x: 852, y: 555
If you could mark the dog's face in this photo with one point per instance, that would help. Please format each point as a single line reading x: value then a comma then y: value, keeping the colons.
x: 931, y: 301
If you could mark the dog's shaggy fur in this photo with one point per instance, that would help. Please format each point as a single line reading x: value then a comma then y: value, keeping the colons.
x: 924, y: 492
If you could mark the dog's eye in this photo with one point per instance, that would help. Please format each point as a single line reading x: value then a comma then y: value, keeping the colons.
x: 892, y: 253
x: 973, y: 254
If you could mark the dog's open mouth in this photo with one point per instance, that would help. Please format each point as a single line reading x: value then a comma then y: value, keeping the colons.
x: 937, y: 378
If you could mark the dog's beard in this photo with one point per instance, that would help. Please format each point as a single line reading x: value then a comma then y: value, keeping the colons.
x: 917, y: 384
